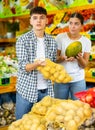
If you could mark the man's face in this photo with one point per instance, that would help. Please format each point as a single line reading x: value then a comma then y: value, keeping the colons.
x: 38, y: 21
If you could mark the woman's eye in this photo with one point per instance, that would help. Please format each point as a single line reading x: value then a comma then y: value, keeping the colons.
x: 77, y: 24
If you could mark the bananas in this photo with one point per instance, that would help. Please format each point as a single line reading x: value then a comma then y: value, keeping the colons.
x: 24, y: 2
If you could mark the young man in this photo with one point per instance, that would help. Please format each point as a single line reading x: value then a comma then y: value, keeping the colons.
x: 35, y: 44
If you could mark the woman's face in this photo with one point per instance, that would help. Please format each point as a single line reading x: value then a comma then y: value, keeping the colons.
x: 75, y: 26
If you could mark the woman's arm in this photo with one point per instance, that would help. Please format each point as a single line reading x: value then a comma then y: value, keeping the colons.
x: 82, y: 60
x: 59, y: 57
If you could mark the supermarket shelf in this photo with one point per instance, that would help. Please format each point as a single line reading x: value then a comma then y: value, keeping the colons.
x: 90, y: 80
x: 7, y: 40
x: 12, y: 87
x: 70, y: 9
x: 7, y: 88
x: 27, y: 15
x: 14, y: 17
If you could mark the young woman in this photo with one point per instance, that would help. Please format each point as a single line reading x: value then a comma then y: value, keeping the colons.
x: 74, y: 66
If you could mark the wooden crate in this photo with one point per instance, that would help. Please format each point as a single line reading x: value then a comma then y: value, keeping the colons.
x: 13, y: 79
x: 4, y: 128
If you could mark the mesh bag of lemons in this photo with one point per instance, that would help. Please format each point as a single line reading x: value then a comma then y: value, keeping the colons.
x: 55, y: 72
x: 54, y: 113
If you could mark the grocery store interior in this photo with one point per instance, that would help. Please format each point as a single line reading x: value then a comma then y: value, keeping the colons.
x: 14, y: 21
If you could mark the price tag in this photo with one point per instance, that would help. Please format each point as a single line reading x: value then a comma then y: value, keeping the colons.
x: 93, y: 74
x: 4, y: 81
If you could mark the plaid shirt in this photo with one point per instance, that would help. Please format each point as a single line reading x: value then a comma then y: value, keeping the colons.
x: 26, y: 47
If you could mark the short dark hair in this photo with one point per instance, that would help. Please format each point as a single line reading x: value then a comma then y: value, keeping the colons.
x: 79, y: 16
x: 38, y: 10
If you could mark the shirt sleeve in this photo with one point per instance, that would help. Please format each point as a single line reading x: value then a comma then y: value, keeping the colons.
x: 55, y: 52
x: 88, y: 46
x: 21, y: 53
x: 58, y: 40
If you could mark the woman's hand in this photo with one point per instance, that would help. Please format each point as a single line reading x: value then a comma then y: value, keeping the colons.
x: 83, y: 59
x: 70, y: 59
x: 79, y: 56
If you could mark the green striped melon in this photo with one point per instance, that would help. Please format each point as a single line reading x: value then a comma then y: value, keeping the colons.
x: 73, y: 49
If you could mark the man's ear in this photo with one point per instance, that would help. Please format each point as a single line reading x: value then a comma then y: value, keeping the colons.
x: 47, y: 21
x: 30, y: 21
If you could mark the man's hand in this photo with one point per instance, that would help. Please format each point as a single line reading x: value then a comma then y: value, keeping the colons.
x: 37, y: 62
x: 40, y: 62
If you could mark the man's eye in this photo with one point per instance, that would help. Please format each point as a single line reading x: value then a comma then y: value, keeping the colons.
x: 42, y: 17
x: 34, y: 18
x: 70, y: 23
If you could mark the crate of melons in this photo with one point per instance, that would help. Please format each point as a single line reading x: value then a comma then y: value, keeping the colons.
x: 55, y: 72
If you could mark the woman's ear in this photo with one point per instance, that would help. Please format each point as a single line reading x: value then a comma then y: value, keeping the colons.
x: 81, y: 28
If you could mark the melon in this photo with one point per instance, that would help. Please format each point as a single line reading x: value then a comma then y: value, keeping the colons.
x: 73, y: 49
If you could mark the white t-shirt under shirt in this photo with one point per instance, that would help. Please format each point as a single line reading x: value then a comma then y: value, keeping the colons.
x: 41, y: 84
x: 76, y: 72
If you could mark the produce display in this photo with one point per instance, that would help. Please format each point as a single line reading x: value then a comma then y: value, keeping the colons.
x: 24, y: 2
x: 54, y: 72
x: 81, y: 3
x: 90, y: 123
x: 90, y: 69
x: 13, y: 8
x: 54, y: 113
x: 8, y: 70
x: 87, y: 96
x: 63, y: 4
x: 7, y: 113
x: 50, y: 113
x: 93, y: 52
x: 90, y: 72
x: 55, y: 21
x: 8, y: 66
x: 59, y: 26
x: 73, y: 49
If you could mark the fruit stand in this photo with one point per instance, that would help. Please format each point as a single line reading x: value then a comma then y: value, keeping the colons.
x: 55, y: 27
x: 8, y: 88
x: 51, y: 113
